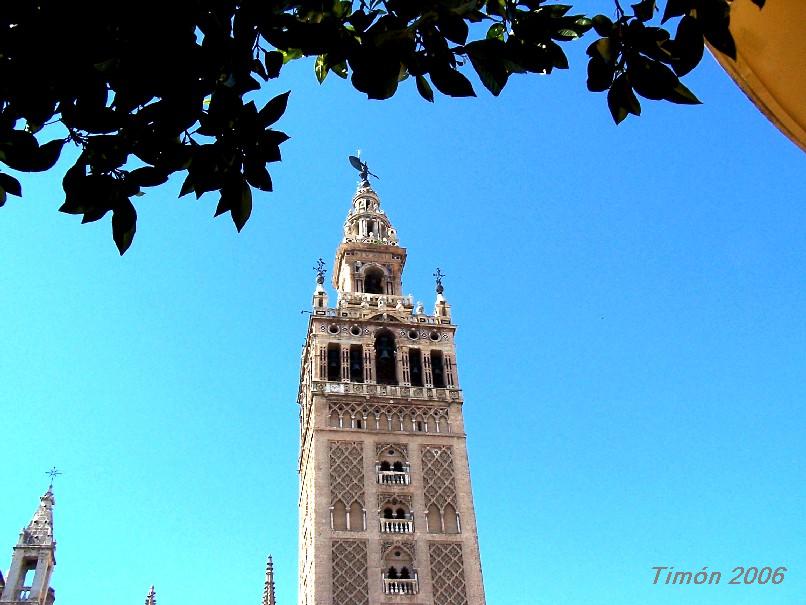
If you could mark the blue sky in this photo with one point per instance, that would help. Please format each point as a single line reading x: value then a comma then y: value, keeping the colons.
x: 632, y: 327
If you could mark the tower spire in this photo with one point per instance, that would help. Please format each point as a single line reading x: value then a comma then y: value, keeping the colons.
x: 268, y: 589
x: 151, y: 599
x: 33, y: 559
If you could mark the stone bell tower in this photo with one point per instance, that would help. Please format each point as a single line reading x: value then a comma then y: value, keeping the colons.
x: 33, y: 560
x: 386, y: 508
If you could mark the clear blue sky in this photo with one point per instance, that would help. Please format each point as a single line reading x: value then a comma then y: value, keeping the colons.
x: 632, y: 347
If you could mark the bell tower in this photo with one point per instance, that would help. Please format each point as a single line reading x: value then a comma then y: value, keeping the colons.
x: 386, y: 507
x: 33, y: 560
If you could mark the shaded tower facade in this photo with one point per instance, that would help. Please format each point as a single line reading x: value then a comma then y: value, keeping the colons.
x: 33, y: 560
x: 386, y: 508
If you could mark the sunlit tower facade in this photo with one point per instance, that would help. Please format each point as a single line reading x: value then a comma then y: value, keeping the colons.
x: 386, y: 507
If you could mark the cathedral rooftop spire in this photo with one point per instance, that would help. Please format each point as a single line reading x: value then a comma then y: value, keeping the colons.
x: 268, y: 589
x: 151, y: 599
x: 39, y: 531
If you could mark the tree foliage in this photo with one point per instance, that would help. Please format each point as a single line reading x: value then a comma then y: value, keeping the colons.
x: 146, y: 92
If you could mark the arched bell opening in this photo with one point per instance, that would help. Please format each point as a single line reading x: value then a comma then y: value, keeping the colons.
x: 373, y: 281
x: 438, y: 369
x: 356, y: 363
x: 385, y: 358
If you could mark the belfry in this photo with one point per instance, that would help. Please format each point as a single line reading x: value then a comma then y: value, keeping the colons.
x: 33, y: 560
x: 386, y: 508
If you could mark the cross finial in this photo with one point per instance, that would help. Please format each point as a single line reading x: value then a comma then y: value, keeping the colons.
x: 320, y: 271
x: 53, y: 473
x: 438, y: 276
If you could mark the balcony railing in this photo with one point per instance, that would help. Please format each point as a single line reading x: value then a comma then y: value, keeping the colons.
x: 398, y: 586
x: 397, y: 526
x: 393, y: 477
x: 387, y: 390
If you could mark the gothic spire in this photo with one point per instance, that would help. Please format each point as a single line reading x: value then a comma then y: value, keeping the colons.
x: 268, y: 589
x: 39, y: 531
x: 151, y: 599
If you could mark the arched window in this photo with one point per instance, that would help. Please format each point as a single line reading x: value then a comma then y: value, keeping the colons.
x: 387, y: 513
x: 339, y: 516
x: 397, y: 466
x: 433, y: 517
x: 392, y: 573
x: 373, y: 281
x: 400, y: 513
x: 385, y: 466
x: 386, y: 364
x: 356, y: 517
x: 405, y: 574
x: 450, y: 520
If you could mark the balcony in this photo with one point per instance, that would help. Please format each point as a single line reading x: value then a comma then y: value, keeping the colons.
x: 387, y: 390
x: 397, y: 526
x: 400, y: 586
x: 393, y: 477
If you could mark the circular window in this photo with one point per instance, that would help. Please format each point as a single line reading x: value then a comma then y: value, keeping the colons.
x: 333, y: 329
x: 413, y: 334
x: 355, y: 331
x: 391, y: 452
x: 397, y: 553
x: 434, y: 335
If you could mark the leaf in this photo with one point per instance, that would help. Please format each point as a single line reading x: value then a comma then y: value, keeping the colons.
x: 274, y: 109
x: 124, y: 225
x: 273, y: 60
x: 600, y: 75
x: 682, y: 96
x: 676, y: 8
x: 644, y: 10
x: 496, y: 31
x: 452, y: 83
x: 453, y: 28
x: 148, y: 176
x: 487, y: 58
x: 689, y: 45
x: 602, y: 25
x: 340, y: 69
x: 651, y: 79
x: 621, y: 100
x: 259, y: 69
x: 236, y: 198
x: 187, y: 186
x: 602, y: 49
x: 242, y: 208
x: 47, y: 155
x: 320, y: 68
x: 10, y: 185
x: 722, y: 40
x: 424, y: 88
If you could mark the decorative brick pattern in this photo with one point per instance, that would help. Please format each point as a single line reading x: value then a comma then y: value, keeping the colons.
x: 438, y: 476
x: 447, y: 573
x: 432, y: 419
x: 347, y: 472
x: 349, y: 559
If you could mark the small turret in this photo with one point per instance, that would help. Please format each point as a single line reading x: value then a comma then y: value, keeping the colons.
x: 151, y: 599
x: 441, y: 307
x: 268, y: 589
x: 319, y: 295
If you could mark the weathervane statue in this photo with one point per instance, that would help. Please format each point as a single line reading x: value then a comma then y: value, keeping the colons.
x: 363, y: 170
